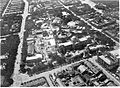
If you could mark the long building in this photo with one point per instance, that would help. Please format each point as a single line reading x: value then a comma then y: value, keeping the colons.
x: 109, y: 62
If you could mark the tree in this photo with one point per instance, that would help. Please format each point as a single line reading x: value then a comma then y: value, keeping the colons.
x: 62, y: 49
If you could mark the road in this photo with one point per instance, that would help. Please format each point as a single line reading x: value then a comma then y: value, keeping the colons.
x: 93, y: 60
x: 8, y: 35
x: 46, y: 74
x: 6, y: 8
x: 100, y: 30
x: 16, y: 73
x: 18, y: 78
x: 26, y: 78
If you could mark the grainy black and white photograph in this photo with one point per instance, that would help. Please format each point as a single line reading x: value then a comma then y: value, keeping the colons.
x: 59, y: 43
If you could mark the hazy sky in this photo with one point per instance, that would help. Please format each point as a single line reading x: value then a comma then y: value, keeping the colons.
x: 104, y: 0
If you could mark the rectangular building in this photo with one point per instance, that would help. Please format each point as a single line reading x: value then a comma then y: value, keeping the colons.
x: 108, y: 61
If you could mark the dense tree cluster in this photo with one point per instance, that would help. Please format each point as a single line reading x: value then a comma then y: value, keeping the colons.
x: 12, y: 43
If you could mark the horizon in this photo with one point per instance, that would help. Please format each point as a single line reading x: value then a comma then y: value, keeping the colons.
x: 104, y: 0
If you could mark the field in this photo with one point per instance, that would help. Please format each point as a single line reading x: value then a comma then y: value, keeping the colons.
x: 108, y: 3
x: 3, y: 4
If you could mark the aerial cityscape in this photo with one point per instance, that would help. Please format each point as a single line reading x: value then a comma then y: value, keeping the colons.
x: 59, y: 43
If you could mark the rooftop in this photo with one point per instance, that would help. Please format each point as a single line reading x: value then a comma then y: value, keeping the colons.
x: 34, y: 57
x: 108, y: 59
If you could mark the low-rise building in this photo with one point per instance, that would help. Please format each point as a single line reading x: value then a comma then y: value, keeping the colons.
x: 108, y: 61
x: 31, y: 48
